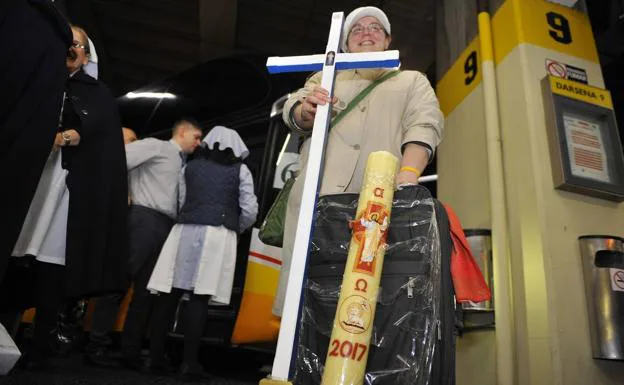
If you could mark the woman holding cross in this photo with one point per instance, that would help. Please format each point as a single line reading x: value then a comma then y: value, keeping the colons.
x: 400, y: 115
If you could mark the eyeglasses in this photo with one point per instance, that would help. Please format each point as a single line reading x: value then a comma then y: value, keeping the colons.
x: 77, y: 44
x: 371, y: 28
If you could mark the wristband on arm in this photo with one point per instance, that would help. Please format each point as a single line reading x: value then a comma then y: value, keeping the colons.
x: 411, y: 169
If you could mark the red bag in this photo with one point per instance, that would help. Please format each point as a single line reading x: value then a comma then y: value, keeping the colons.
x: 467, y: 277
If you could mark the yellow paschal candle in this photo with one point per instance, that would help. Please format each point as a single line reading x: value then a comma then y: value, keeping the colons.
x: 349, y: 344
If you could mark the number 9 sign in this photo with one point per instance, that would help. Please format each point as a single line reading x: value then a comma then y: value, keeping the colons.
x: 560, y: 28
x: 471, y: 68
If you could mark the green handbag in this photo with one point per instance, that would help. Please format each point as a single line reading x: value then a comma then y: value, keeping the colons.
x: 272, y: 229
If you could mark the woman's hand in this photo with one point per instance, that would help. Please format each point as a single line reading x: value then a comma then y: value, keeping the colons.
x: 59, y: 140
x: 305, y: 112
x: 406, y: 178
x: 413, y: 162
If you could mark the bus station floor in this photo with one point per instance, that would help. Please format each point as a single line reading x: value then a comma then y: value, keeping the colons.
x: 226, y: 365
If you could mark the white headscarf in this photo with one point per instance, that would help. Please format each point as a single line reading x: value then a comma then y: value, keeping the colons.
x: 91, y: 68
x: 227, y: 138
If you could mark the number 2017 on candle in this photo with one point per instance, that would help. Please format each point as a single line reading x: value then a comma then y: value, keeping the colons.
x: 346, y: 349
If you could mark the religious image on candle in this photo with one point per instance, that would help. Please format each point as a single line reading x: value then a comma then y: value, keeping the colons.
x: 586, y: 148
x: 370, y: 230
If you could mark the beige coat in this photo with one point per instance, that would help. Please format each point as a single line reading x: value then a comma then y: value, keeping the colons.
x: 402, y: 109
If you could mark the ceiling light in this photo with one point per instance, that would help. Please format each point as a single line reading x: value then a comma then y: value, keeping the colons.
x: 151, y: 95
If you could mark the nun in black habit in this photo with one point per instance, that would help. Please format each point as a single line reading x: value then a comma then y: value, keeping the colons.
x: 76, y: 225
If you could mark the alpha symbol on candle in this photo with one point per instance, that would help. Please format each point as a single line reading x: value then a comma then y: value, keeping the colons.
x: 378, y: 192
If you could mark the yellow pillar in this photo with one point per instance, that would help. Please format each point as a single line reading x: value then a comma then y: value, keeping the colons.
x: 505, y: 366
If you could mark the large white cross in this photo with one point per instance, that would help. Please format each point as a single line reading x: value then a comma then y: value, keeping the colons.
x: 328, y: 63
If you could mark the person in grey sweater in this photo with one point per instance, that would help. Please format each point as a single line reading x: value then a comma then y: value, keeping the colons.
x: 154, y: 167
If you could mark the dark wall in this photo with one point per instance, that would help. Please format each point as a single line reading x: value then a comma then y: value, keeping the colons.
x: 607, y: 19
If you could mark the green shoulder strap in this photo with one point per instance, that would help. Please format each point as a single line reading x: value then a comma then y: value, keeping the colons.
x: 361, y: 96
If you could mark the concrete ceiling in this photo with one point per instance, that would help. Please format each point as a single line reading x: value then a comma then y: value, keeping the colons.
x: 142, y: 41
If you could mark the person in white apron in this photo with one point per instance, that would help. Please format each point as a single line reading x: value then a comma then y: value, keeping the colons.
x: 199, y: 256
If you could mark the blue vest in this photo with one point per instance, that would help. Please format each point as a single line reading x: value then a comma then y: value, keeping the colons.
x: 211, y: 194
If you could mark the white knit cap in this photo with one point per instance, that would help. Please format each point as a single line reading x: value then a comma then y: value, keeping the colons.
x: 359, y: 13
x: 226, y: 137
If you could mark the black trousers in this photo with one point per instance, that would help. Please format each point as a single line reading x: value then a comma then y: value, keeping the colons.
x: 193, y: 324
x: 49, y: 282
x: 148, y: 231
x: 103, y: 321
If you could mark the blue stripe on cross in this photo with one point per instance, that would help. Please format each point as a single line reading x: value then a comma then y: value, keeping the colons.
x: 328, y: 63
x: 343, y: 61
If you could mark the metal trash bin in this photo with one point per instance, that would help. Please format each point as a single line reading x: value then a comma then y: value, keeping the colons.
x: 603, y: 272
x: 480, y: 243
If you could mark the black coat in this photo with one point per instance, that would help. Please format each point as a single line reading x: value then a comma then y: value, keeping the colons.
x: 34, y: 39
x: 96, y: 251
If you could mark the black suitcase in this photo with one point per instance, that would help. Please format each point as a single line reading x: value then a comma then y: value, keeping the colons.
x: 413, y: 340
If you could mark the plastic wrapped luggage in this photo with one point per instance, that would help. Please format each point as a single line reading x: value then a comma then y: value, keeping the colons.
x: 413, y: 340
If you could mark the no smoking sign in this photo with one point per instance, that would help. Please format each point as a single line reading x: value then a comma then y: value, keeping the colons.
x: 617, y: 279
x: 556, y: 69
x: 566, y: 71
